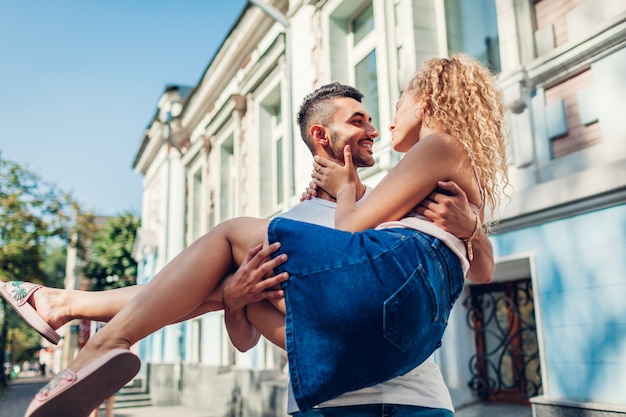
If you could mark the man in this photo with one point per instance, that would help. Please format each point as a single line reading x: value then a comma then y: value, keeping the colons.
x: 330, y: 118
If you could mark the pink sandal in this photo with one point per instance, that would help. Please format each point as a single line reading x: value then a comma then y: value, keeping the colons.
x: 77, y: 394
x: 17, y: 294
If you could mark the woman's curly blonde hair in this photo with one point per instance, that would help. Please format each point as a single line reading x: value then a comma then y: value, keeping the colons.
x: 462, y: 97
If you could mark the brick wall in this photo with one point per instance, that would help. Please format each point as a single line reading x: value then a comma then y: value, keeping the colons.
x: 554, y: 12
x: 579, y: 136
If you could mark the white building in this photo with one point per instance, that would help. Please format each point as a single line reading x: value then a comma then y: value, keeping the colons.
x: 229, y: 147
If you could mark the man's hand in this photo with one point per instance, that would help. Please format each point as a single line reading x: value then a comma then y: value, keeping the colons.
x: 309, y: 193
x: 252, y: 282
x: 449, y: 209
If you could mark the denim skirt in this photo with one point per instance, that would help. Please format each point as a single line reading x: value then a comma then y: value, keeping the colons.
x: 362, y: 307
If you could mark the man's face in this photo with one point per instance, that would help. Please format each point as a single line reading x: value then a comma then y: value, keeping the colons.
x: 352, y: 125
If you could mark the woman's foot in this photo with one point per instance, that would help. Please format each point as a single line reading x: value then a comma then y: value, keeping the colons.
x: 99, y: 345
x: 43, y: 308
x: 77, y: 393
x: 53, y: 306
x: 99, y: 370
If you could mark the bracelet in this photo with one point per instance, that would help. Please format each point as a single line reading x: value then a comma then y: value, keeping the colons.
x: 342, y: 188
x: 468, y: 240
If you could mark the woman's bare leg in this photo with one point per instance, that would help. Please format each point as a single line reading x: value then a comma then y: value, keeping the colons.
x: 59, y: 306
x: 179, y: 289
x: 269, y: 320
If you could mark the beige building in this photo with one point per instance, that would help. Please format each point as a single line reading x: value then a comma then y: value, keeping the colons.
x: 550, y: 331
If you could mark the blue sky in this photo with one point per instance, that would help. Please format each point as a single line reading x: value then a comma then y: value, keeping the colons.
x: 80, y: 80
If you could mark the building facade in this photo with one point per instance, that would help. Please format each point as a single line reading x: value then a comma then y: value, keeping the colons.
x: 550, y: 331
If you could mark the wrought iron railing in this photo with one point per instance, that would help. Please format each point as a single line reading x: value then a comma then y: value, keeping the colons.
x: 506, y: 364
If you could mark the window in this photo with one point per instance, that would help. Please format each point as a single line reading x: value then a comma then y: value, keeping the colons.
x: 362, y: 52
x: 212, y: 210
x: 363, y: 24
x: 227, y: 179
x: 366, y: 80
x: 353, y: 43
x: 278, y: 152
x: 272, y: 160
x: 196, y: 341
x: 472, y: 28
x: 196, y: 205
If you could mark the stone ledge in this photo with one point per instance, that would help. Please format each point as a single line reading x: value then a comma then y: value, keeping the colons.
x: 549, y: 407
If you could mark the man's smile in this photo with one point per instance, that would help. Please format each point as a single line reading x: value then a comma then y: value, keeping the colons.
x: 366, y: 143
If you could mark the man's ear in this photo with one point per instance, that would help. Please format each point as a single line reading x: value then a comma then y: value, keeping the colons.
x: 318, y: 133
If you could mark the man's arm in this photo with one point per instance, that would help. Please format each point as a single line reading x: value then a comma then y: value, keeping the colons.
x: 451, y: 211
x: 251, y: 283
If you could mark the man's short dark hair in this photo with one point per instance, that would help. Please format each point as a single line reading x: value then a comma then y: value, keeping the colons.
x: 318, y: 107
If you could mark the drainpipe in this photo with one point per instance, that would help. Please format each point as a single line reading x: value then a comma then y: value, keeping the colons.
x: 280, y: 18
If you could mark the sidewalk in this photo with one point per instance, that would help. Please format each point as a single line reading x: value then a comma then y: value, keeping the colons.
x: 475, y: 410
x: 154, y: 411
x: 21, y: 391
x: 493, y: 410
x: 18, y: 395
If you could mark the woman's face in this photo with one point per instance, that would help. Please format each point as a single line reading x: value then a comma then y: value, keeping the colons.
x: 407, y: 122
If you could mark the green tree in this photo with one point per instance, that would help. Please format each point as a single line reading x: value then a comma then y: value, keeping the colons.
x: 110, y: 264
x: 32, y: 214
x: 54, y: 263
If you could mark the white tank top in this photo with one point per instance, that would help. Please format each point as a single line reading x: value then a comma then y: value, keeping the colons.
x: 418, y: 222
x: 422, y: 387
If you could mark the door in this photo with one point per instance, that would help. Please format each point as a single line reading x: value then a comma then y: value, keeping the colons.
x: 506, y: 366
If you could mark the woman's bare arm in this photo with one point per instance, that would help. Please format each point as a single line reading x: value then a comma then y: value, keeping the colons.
x: 435, y: 157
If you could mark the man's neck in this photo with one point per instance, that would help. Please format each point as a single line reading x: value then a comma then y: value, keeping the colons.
x: 360, y: 192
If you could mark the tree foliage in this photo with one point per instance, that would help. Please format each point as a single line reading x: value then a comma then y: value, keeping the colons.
x: 110, y: 264
x: 33, y: 213
x: 54, y: 264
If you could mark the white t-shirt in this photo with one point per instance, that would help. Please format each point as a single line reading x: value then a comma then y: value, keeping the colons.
x: 423, y: 386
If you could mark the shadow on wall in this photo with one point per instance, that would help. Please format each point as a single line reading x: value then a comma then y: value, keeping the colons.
x: 581, y: 278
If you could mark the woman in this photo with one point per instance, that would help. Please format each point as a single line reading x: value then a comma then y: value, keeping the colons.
x: 406, y: 273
